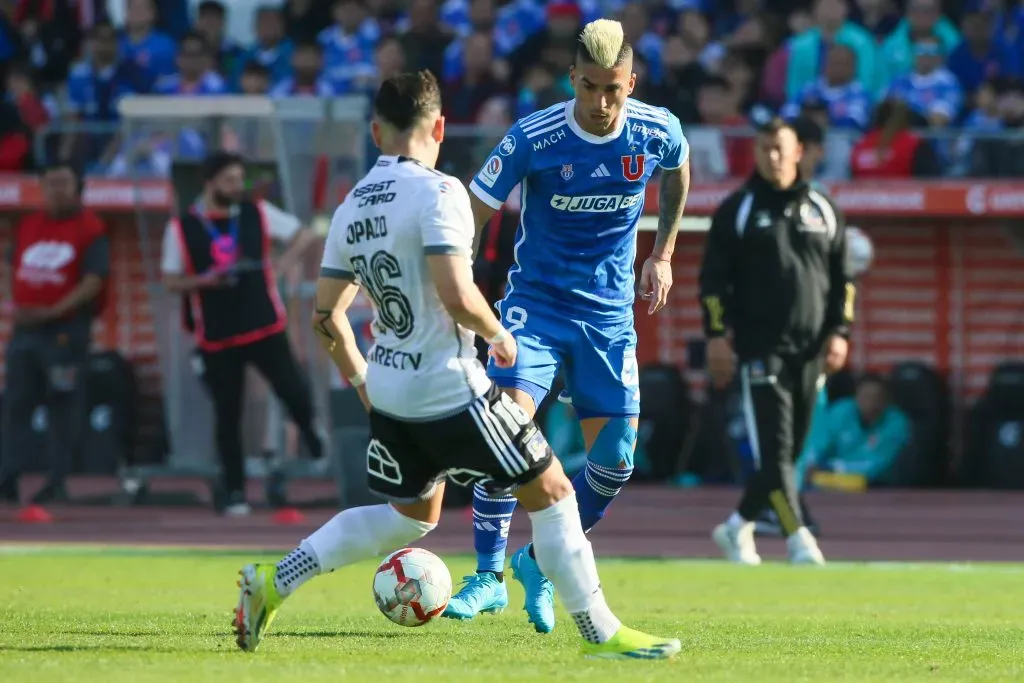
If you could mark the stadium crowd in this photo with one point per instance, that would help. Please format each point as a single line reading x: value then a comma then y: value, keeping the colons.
x: 881, y: 76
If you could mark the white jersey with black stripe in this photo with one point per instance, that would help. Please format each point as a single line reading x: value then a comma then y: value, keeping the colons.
x: 422, y: 365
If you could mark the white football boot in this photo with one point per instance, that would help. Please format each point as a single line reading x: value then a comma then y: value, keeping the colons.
x: 803, y: 548
x: 737, y: 542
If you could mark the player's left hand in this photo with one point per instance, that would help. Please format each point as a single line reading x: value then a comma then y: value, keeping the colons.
x: 655, y: 281
x: 836, y: 350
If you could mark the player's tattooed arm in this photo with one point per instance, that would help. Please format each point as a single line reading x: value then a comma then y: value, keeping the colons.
x: 334, y: 295
x: 672, y: 192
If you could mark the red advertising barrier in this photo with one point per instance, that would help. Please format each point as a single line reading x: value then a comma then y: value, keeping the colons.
x: 947, y: 285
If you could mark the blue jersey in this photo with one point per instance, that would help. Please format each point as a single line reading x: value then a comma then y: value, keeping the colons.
x: 582, y: 196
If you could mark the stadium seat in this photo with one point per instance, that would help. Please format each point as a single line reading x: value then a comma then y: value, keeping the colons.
x: 39, y: 463
x: 110, y: 419
x: 923, y: 395
x: 996, y: 441
x: 349, y: 440
x: 664, y: 420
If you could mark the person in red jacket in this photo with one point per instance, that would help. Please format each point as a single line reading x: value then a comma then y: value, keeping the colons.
x: 891, y: 150
x: 60, y: 262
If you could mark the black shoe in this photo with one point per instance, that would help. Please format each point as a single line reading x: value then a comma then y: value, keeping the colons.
x: 52, y: 492
x: 9, y: 491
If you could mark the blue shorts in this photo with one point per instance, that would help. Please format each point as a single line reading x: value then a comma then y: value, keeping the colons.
x: 597, y: 360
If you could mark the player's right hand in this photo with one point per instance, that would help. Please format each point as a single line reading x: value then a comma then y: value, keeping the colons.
x: 504, y: 350
x: 721, y: 362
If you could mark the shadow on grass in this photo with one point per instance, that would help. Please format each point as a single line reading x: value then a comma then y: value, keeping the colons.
x: 342, y: 634
x: 86, y: 648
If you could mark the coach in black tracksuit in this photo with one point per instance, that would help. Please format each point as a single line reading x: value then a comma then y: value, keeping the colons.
x: 773, y: 280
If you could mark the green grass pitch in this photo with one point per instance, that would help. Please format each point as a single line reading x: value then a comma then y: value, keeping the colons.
x: 112, y: 615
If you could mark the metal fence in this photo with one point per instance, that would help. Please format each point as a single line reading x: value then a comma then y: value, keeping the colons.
x: 104, y: 149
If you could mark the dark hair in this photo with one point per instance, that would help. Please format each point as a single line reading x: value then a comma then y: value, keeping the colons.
x: 255, y: 68
x: 774, y: 126
x: 218, y: 161
x: 404, y: 99
x: 716, y: 81
x: 873, y: 378
x: 102, y: 29
x: 62, y: 165
x: 212, y: 7
x: 308, y: 45
x: 195, y: 37
x: 808, y: 131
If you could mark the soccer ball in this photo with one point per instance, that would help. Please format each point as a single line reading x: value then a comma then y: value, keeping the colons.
x: 412, y: 586
x: 860, y: 252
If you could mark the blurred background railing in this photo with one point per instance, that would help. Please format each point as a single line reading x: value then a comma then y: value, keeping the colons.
x: 717, y: 152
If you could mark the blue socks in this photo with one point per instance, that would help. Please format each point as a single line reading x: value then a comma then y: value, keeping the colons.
x: 596, y: 487
x: 491, y: 520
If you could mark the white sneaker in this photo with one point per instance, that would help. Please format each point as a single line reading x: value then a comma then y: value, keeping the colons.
x: 237, y: 510
x: 803, y: 548
x: 737, y: 542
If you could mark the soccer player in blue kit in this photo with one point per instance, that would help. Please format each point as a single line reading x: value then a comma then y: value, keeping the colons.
x: 583, y: 166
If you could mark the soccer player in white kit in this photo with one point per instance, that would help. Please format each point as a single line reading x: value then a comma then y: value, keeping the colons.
x: 405, y: 234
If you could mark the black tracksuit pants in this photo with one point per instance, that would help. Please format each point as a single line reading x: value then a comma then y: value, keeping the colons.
x: 778, y: 395
x: 223, y: 374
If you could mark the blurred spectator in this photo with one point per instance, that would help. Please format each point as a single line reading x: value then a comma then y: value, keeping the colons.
x: 923, y: 19
x: 95, y: 87
x: 389, y: 60
x: 537, y: 91
x: 738, y: 67
x: 718, y: 105
x: 556, y: 38
x: 23, y: 94
x: 812, y: 136
x: 387, y: 13
x: 861, y: 436
x: 348, y: 46
x: 305, y: 19
x: 152, y: 52
x: 49, y: 36
x: 693, y: 27
x: 979, y: 57
x: 464, y: 97
x: 272, y: 50
x: 15, y: 141
x: 255, y: 79
x: 879, y: 17
x: 151, y: 155
x: 424, y: 41
x: 847, y: 100
x: 807, y: 50
x: 1010, y: 33
x: 636, y: 25
x: 1004, y: 158
x: 60, y: 264
x: 196, y: 75
x: 307, y: 67
x: 682, y: 76
x: 211, y: 22
x: 891, y: 150
x: 931, y: 91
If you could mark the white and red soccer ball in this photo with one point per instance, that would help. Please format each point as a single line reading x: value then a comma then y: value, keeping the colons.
x: 412, y: 586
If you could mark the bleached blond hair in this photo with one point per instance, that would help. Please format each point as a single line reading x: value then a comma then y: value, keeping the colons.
x: 604, y: 43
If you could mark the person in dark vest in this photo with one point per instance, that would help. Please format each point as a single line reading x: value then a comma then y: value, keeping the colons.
x: 60, y: 260
x: 219, y: 255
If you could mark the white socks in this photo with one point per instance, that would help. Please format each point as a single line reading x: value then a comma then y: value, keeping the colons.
x: 736, y: 521
x: 566, y: 557
x: 350, y: 536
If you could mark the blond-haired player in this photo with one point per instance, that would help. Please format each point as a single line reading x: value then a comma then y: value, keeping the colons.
x: 583, y: 166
